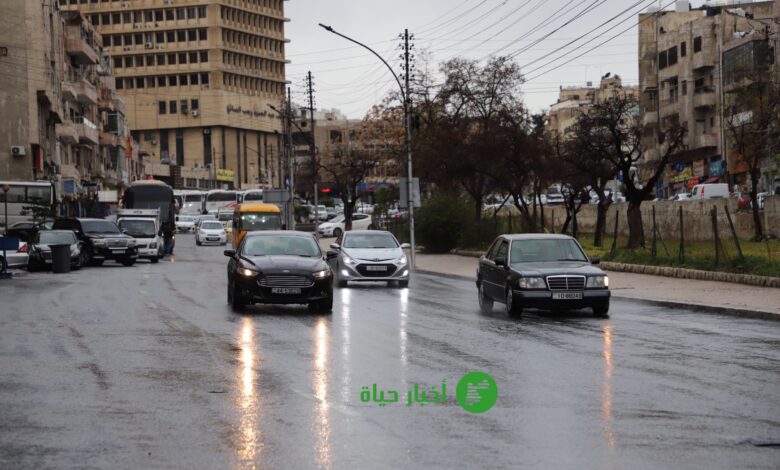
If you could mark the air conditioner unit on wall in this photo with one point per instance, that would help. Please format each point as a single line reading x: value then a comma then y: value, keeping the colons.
x: 149, y: 45
x: 195, y: 113
x: 18, y: 150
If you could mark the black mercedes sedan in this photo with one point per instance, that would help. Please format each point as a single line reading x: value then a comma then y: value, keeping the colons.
x: 544, y: 271
x: 279, y: 267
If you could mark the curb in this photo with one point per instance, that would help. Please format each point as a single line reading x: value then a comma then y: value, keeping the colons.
x: 699, y: 308
x: 684, y: 273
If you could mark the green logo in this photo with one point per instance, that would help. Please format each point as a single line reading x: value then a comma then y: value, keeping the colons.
x: 477, y: 392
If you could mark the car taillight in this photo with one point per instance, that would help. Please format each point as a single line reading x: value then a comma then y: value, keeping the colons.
x: 23, y: 248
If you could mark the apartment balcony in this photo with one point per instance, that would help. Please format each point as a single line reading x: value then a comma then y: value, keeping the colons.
x: 106, y: 103
x: 86, y: 93
x: 108, y: 139
x: 650, y: 118
x: 67, y: 133
x: 706, y: 140
x: 87, y: 131
x: 68, y: 91
x: 78, y: 48
x: 704, y: 97
x: 704, y: 60
x: 119, y: 104
x: 670, y: 109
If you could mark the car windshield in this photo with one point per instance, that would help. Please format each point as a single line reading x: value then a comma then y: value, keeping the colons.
x: 373, y: 240
x: 545, y: 250
x: 99, y: 226
x: 186, y: 218
x: 138, y: 228
x: 338, y: 219
x: 281, y: 245
x: 260, y: 221
x: 211, y: 225
x: 56, y: 238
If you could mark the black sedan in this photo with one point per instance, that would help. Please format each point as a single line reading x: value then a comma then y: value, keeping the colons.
x: 542, y: 271
x: 279, y: 267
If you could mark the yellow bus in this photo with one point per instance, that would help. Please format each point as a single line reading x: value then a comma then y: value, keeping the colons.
x: 254, y: 216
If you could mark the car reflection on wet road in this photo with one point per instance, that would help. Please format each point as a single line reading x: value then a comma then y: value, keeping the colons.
x: 147, y: 367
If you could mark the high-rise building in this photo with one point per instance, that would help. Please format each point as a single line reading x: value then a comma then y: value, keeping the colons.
x: 681, y: 82
x: 197, y: 77
x: 60, y: 118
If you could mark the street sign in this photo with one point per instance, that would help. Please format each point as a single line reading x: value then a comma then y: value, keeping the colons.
x: 404, y: 192
x: 276, y: 196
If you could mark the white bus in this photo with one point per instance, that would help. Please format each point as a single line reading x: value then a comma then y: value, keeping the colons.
x: 252, y: 195
x: 22, y: 195
x: 218, y: 198
x: 191, y: 201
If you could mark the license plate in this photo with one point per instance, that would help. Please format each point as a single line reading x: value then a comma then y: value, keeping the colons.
x: 376, y: 268
x: 117, y: 249
x: 285, y: 290
x: 567, y: 296
x: 213, y: 239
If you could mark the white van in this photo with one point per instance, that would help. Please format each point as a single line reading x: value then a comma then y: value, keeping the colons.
x: 710, y: 191
x: 144, y: 226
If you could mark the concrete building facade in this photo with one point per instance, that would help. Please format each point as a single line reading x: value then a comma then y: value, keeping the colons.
x: 60, y: 118
x: 681, y: 82
x: 575, y: 101
x: 197, y: 77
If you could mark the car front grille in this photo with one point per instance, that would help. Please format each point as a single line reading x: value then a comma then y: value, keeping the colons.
x: 566, y: 282
x: 363, y: 270
x: 116, y: 242
x: 285, y: 280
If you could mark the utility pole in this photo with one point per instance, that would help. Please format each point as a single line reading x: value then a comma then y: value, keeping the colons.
x: 408, y: 125
x: 313, y: 150
x: 290, y: 158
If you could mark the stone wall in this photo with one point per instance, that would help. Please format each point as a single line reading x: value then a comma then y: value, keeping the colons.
x: 696, y: 218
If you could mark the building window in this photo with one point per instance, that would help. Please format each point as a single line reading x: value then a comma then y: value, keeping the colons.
x: 106, y: 41
x: 150, y: 61
x: 193, y: 57
x: 139, y: 39
x: 172, y: 81
x: 193, y: 79
x: 191, y: 35
x: 204, y: 56
x: 191, y: 13
x: 204, y: 78
x: 159, y: 36
x: 697, y: 44
x: 181, y: 35
x: 203, y: 34
x: 148, y: 16
x: 194, y: 104
x: 158, y: 15
x: 171, y: 59
x: 169, y: 14
x: 163, y: 107
x: 119, y: 84
x: 150, y: 82
x: 683, y: 49
x: 160, y: 59
x: 139, y: 61
x: 684, y: 87
x: 118, y: 62
x: 183, y: 80
x: 128, y: 61
x: 116, y: 18
x: 172, y: 106
x: 672, y: 55
x: 201, y: 12
x: 161, y: 80
x: 180, y: 13
x: 170, y: 36
x: 182, y: 57
x: 105, y: 18
x: 139, y: 82
x: 662, y: 60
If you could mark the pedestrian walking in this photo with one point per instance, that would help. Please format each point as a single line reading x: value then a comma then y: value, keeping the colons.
x: 168, y: 234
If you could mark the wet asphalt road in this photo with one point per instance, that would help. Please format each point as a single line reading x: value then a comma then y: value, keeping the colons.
x: 147, y: 367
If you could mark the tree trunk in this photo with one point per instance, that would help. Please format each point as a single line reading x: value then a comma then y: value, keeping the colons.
x: 759, y: 233
x: 349, y: 209
x: 477, y: 209
x: 636, y: 232
x: 601, y: 224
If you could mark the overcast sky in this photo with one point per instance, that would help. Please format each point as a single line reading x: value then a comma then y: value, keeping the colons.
x: 350, y: 79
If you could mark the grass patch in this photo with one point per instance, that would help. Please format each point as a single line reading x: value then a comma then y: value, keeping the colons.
x: 760, y: 258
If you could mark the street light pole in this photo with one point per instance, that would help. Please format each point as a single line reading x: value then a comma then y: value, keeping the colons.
x: 407, y: 124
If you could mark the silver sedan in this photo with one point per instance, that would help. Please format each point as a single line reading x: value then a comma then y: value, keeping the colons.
x: 370, y: 256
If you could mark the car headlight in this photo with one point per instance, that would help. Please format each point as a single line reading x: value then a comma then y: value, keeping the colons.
x: 401, y: 260
x: 98, y: 242
x: 153, y: 245
x: 247, y: 272
x: 531, y: 283
x: 322, y: 274
x: 596, y: 282
x: 349, y: 261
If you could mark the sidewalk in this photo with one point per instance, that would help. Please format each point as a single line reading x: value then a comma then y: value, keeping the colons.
x: 723, y: 297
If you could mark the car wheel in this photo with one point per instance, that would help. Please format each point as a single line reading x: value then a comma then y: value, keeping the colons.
x: 128, y: 262
x: 601, y: 310
x: 326, y: 306
x: 31, y: 265
x: 513, y: 307
x: 86, y: 256
x: 237, y: 301
x: 403, y: 284
x: 485, y: 302
x: 155, y: 259
x: 371, y: 227
x: 337, y: 232
x: 77, y: 265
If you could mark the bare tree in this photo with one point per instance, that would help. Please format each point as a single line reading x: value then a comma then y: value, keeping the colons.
x: 752, y: 126
x: 615, y: 133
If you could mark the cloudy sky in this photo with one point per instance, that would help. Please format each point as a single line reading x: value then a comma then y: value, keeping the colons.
x: 552, y: 40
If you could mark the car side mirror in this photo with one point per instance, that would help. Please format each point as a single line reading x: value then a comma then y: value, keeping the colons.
x: 595, y: 261
x: 405, y: 246
x: 335, y: 246
x: 331, y: 255
x: 501, y: 261
x: 230, y: 253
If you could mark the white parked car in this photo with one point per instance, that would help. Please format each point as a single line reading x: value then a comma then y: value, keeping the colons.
x: 210, y: 231
x: 335, y: 227
x: 681, y: 197
x: 322, y: 213
x: 17, y: 258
